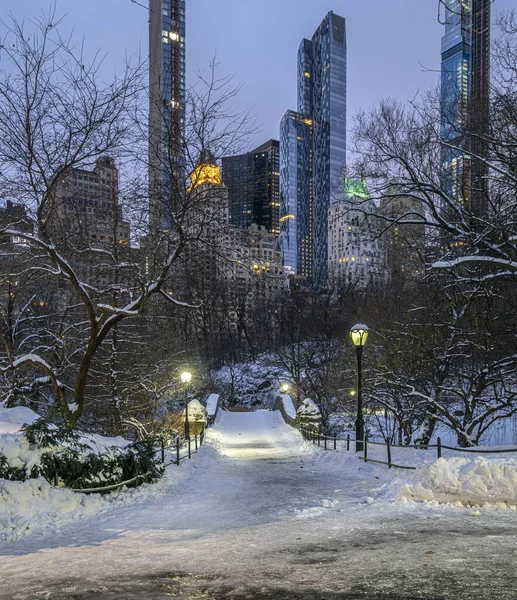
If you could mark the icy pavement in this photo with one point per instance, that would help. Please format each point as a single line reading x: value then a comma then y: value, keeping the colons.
x: 257, y: 515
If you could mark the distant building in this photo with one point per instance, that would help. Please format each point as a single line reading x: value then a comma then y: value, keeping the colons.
x: 256, y: 253
x: 465, y: 96
x: 167, y: 98
x: 296, y: 194
x: 404, y: 243
x: 356, y: 253
x: 15, y: 217
x: 86, y: 212
x: 243, y: 259
x: 253, y: 182
x: 318, y: 160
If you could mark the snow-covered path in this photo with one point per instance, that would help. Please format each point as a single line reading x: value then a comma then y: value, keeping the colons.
x: 255, y: 515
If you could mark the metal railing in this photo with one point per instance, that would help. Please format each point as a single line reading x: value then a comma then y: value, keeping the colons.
x: 191, y: 446
x: 331, y: 443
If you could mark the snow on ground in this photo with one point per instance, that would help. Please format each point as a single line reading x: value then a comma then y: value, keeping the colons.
x: 457, y: 480
x: 34, y: 506
x: 245, y: 445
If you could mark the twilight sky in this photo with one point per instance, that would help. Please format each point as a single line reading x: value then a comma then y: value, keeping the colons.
x: 393, y: 45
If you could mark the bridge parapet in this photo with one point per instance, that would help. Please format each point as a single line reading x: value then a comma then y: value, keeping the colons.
x: 213, y: 403
x: 284, y: 404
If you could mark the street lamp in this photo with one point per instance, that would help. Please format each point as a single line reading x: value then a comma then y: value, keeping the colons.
x: 285, y: 388
x: 186, y: 377
x: 359, y: 335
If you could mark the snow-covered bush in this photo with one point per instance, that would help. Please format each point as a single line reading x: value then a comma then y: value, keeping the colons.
x: 80, y: 461
x: 12, y: 473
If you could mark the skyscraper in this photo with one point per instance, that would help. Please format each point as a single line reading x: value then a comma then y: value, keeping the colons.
x: 166, y: 103
x: 296, y: 194
x: 322, y: 75
x: 465, y: 82
x: 253, y: 182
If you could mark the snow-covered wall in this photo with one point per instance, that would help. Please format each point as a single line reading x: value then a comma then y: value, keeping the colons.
x: 212, y: 406
x: 285, y: 405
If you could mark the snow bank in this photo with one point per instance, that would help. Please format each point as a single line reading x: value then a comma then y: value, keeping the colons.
x: 469, y: 481
x: 36, y: 503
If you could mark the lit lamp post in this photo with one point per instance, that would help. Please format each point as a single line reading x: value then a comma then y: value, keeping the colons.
x: 285, y: 388
x: 186, y: 376
x: 359, y: 335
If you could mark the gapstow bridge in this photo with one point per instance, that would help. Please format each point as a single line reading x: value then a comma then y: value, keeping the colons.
x: 259, y: 513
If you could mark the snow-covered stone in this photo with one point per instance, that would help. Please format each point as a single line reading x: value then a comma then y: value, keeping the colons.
x: 196, y: 411
x: 308, y: 415
x: 308, y: 408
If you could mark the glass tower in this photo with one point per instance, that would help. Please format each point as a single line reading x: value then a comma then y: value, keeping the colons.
x: 465, y: 80
x: 296, y: 194
x: 313, y: 149
x: 166, y: 103
x: 322, y: 92
x: 253, y: 182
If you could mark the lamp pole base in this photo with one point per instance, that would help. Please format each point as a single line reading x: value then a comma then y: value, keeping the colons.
x: 359, y: 434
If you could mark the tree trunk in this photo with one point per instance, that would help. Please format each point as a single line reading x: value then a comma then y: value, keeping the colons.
x: 425, y: 432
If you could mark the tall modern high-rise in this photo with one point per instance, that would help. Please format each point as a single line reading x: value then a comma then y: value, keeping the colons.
x: 166, y: 104
x: 322, y: 73
x: 465, y: 82
x: 253, y: 182
x: 296, y: 194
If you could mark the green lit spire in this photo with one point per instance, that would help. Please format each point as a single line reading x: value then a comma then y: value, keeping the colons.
x: 355, y: 188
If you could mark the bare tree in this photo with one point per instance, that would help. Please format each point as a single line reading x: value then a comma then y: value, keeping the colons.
x: 56, y: 116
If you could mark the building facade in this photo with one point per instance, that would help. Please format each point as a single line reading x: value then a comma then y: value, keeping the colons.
x: 253, y: 182
x: 296, y: 194
x: 356, y: 251
x: 465, y: 84
x: 404, y: 243
x: 86, y: 211
x: 15, y: 217
x: 166, y: 104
